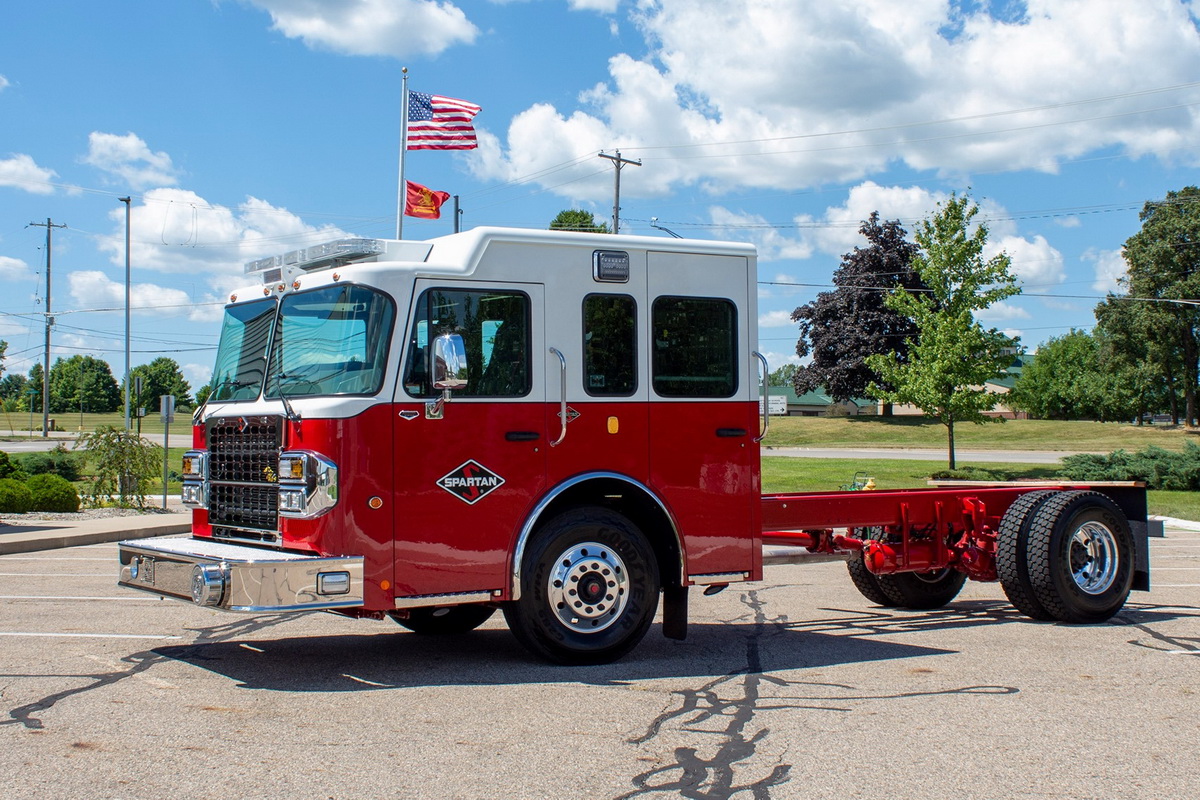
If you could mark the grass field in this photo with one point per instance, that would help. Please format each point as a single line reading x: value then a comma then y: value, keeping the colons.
x: 828, y: 474
x: 1021, y: 434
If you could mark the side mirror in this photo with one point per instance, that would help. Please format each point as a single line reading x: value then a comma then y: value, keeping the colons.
x: 449, y: 362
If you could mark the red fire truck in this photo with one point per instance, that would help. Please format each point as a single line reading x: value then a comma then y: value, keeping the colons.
x: 565, y: 427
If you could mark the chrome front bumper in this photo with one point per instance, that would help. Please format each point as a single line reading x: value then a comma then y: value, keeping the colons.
x: 239, y: 578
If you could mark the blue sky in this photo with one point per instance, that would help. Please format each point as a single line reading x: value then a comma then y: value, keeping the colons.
x: 245, y: 128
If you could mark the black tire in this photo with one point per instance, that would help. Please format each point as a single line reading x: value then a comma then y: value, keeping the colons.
x: 1011, y: 547
x: 589, y: 588
x: 445, y: 620
x: 1080, y: 557
x: 863, y: 579
x: 922, y: 590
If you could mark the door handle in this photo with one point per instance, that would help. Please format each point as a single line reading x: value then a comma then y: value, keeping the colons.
x: 562, y: 399
x: 522, y: 436
x: 731, y: 433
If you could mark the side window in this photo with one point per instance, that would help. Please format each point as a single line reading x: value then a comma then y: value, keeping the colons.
x: 495, y: 329
x: 694, y: 352
x: 609, y: 345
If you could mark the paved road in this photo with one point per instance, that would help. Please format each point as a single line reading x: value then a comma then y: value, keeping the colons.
x: 792, y: 688
x: 23, y: 444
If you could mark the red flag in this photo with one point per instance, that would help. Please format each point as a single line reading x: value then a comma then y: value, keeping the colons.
x: 440, y: 123
x: 421, y: 201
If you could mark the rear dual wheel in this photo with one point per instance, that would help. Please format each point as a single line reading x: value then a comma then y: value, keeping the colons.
x: 1067, y: 556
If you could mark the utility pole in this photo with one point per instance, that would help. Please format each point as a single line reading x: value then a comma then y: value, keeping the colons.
x: 618, y: 162
x: 49, y: 226
x: 126, y: 201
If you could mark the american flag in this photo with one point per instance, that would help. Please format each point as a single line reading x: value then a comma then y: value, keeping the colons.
x: 440, y: 123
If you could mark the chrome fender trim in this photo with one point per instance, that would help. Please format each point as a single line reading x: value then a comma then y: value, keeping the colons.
x: 536, y: 515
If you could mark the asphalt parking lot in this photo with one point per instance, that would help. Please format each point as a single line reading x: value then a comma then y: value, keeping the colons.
x: 792, y: 688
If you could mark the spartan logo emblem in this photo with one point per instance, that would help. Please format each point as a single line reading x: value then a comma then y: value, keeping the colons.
x: 470, y: 482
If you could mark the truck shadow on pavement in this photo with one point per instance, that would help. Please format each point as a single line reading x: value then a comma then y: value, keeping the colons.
x: 395, y: 659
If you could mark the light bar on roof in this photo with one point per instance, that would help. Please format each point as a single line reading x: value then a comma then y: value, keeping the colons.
x: 319, y: 256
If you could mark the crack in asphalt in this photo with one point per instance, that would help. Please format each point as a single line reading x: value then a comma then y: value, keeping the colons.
x: 728, y: 710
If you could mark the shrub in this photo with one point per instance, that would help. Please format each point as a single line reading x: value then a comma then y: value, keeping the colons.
x: 15, y: 497
x: 122, y: 463
x: 970, y: 474
x: 7, y: 467
x: 1158, y: 468
x: 58, y: 461
x: 52, y: 493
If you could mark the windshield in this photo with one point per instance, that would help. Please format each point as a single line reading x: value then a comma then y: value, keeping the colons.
x: 332, y: 340
x: 242, y: 352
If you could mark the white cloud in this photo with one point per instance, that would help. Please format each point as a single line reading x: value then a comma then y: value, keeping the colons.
x: 130, y: 160
x: 176, y: 231
x: 14, y: 269
x: 776, y: 319
x: 1109, y: 267
x: 94, y: 289
x: 771, y: 243
x: 1002, y: 312
x: 836, y: 232
x: 21, y: 172
x: 779, y: 94
x: 1034, y: 261
x: 603, y: 6
x: 397, y: 28
x: 4, y: 84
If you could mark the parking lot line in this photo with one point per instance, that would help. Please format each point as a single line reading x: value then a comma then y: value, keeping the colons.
x: 46, y: 635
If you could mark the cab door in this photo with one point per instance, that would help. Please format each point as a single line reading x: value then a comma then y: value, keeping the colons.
x: 467, y: 474
x: 703, y: 406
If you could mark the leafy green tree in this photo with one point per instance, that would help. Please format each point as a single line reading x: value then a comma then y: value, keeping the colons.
x: 33, y: 388
x: 202, y: 394
x: 3, y: 352
x: 841, y: 328
x: 784, y: 376
x: 13, y: 387
x: 1137, y: 366
x: 82, y: 383
x: 1164, y: 265
x: 161, y: 376
x: 1064, y: 381
x: 578, y: 220
x: 123, y: 465
x: 953, y: 356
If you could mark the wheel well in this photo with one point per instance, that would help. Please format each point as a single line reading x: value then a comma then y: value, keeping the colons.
x: 638, y: 505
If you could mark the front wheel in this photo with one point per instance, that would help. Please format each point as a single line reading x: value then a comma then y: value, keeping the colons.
x: 445, y: 620
x: 589, y: 588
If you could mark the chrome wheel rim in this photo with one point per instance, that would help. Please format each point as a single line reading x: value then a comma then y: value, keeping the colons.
x: 1092, y: 552
x: 587, y: 587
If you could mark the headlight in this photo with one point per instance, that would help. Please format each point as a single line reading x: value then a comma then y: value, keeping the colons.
x: 308, y: 484
x: 195, y: 479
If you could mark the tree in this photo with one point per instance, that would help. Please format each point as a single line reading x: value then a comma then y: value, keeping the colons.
x: 1064, y: 381
x: 784, y: 376
x: 161, y: 376
x: 578, y: 220
x: 843, y: 327
x: 1137, y: 365
x: 82, y: 383
x: 953, y: 355
x: 33, y: 388
x: 13, y: 387
x: 1164, y: 265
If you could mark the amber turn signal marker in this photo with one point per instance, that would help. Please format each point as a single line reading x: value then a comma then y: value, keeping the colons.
x: 375, y: 502
x: 614, y: 425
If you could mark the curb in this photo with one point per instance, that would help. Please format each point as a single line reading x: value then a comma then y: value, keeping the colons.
x: 52, y: 535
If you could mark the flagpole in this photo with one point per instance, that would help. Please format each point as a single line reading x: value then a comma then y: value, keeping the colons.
x: 402, y: 190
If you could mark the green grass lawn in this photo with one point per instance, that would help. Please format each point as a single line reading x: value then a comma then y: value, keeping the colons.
x: 782, y: 474
x: 1021, y: 434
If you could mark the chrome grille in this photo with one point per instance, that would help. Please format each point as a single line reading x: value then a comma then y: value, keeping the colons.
x: 243, y: 495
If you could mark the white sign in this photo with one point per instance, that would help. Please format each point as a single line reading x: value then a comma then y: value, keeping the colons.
x: 777, y: 407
